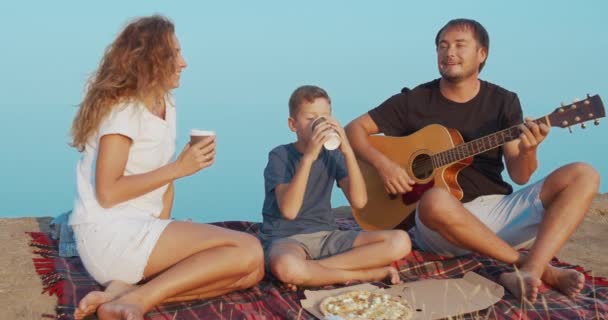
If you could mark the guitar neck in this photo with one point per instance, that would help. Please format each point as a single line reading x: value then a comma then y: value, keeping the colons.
x: 480, y: 145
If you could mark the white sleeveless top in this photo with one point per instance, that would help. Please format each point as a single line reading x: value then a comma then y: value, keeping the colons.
x: 153, y: 146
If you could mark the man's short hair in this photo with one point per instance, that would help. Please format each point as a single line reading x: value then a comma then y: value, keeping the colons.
x: 479, y: 33
x: 304, y: 94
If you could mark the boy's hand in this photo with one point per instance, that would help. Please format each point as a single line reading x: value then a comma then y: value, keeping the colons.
x: 344, y: 144
x: 317, y: 139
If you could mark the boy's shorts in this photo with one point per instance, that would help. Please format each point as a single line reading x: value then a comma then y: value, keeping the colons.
x: 515, y: 218
x: 319, y: 245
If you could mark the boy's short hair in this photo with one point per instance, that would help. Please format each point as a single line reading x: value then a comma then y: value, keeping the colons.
x: 304, y: 94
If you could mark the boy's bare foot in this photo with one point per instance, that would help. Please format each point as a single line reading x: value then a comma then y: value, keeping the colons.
x: 392, y: 275
x: 568, y: 281
x: 117, y: 310
x: 521, y: 284
x: 89, y: 304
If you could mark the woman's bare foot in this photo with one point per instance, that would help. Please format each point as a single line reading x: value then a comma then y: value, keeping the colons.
x: 568, y: 281
x: 89, y: 304
x: 117, y: 310
x: 521, y: 284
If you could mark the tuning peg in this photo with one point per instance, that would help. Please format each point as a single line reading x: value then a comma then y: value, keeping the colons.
x: 569, y: 129
x: 573, y: 105
x: 596, y: 122
x: 583, y: 125
x: 588, y: 96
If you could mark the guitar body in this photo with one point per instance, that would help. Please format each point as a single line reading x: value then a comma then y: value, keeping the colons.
x: 384, y: 211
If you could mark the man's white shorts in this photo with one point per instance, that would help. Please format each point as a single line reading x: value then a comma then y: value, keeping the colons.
x: 515, y: 218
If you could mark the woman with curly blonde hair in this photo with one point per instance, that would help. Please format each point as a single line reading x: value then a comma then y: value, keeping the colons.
x: 125, y: 129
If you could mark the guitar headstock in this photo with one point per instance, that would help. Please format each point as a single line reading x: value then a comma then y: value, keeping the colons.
x: 590, y: 108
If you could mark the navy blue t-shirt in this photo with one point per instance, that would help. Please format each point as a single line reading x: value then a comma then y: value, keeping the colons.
x: 315, y: 214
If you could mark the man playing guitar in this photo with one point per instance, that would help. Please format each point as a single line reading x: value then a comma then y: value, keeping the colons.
x: 491, y: 219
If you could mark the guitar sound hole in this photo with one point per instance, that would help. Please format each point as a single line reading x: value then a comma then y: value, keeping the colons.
x: 422, y: 166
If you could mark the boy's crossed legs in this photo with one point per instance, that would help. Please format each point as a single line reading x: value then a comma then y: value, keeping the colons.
x: 367, y: 259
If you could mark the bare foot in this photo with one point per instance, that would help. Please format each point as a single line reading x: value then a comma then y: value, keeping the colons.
x: 521, y: 284
x: 89, y: 304
x: 116, y: 310
x: 392, y: 275
x: 291, y: 287
x: 568, y: 281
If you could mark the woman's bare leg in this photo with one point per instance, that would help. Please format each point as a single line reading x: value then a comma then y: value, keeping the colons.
x: 191, y: 256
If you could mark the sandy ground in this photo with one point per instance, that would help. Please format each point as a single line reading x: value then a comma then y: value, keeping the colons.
x: 20, y: 286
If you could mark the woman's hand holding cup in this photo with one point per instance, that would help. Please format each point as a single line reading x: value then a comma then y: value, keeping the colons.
x: 198, y: 154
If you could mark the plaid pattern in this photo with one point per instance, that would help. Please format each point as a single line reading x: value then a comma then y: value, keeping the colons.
x: 271, y: 300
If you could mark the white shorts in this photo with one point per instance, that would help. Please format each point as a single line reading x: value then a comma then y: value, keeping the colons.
x: 118, y: 246
x: 515, y: 218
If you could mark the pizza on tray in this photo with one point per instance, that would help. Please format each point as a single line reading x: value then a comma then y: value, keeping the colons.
x: 359, y: 305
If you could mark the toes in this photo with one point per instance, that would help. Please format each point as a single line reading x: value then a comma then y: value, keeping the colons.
x: 532, y: 293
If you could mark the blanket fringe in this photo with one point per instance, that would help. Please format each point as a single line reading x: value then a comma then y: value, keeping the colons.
x: 52, y: 282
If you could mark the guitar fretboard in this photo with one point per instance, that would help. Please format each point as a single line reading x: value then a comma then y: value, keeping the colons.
x: 480, y: 145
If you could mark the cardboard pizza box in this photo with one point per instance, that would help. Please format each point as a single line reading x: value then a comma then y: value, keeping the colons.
x: 430, y: 299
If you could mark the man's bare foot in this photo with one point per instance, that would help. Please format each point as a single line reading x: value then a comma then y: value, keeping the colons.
x: 89, y: 304
x: 568, y: 281
x: 117, y: 310
x: 521, y: 284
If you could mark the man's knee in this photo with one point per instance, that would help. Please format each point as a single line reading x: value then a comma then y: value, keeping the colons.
x: 587, y: 174
x: 437, y: 208
x: 579, y: 175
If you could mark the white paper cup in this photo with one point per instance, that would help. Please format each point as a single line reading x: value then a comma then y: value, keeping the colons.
x: 333, y: 142
x: 197, y: 135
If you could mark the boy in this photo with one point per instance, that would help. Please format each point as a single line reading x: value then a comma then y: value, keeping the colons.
x: 302, y: 243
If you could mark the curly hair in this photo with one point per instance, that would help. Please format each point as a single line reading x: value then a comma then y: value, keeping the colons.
x: 137, y: 66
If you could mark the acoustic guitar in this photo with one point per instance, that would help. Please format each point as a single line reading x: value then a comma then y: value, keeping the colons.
x: 434, y: 155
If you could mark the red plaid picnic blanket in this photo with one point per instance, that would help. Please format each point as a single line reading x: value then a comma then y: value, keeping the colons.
x: 67, y: 278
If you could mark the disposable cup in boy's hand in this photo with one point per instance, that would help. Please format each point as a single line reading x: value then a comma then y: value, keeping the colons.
x: 198, y: 135
x: 333, y: 141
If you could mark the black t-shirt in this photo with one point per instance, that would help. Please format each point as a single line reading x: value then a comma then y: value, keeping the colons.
x: 491, y: 110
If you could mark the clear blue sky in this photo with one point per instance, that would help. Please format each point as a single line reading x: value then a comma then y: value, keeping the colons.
x: 246, y: 57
